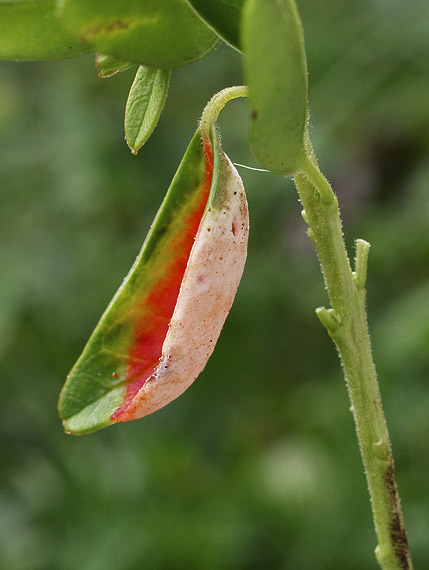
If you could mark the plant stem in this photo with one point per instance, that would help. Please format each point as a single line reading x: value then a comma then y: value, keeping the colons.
x: 217, y: 103
x: 346, y: 324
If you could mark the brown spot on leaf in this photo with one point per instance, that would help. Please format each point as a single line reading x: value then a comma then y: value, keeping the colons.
x: 110, y: 28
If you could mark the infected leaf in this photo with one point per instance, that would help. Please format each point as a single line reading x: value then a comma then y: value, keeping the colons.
x: 160, y: 328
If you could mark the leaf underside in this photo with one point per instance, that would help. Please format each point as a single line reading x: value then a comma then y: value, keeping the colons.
x: 274, y: 55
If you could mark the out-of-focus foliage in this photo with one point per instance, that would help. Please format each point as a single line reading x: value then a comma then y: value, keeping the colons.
x: 257, y: 465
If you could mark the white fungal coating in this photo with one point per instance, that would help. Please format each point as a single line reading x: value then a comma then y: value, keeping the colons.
x: 208, y: 288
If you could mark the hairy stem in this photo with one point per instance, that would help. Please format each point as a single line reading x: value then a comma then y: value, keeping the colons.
x: 346, y: 324
x: 217, y: 103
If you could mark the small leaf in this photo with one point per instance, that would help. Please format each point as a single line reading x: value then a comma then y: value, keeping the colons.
x: 276, y: 73
x: 155, y: 33
x: 161, y: 327
x: 222, y: 16
x: 30, y: 30
x: 145, y: 104
x: 110, y: 65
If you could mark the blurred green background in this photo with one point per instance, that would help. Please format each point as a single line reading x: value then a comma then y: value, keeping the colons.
x: 256, y: 466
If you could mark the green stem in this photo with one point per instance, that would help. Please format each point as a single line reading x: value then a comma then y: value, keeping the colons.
x: 217, y: 103
x: 346, y: 323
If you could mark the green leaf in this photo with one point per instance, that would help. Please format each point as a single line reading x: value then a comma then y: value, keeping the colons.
x: 222, y: 16
x: 276, y: 73
x: 145, y: 104
x: 160, y: 328
x: 155, y: 33
x: 30, y: 30
x: 110, y: 65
